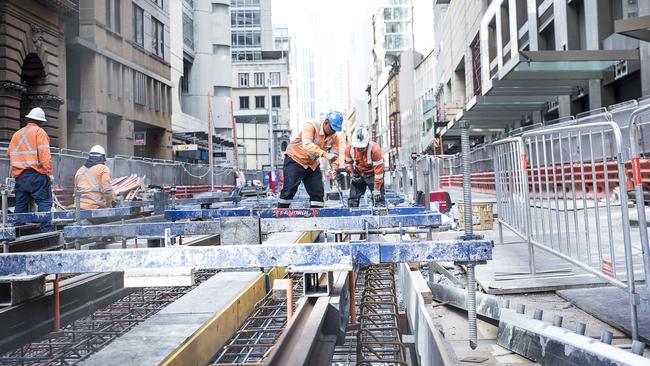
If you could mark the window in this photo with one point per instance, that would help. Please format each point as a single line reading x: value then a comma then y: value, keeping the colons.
x: 246, y: 39
x: 243, y: 103
x: 275, y: 101
x: 138, y: 25
x: 243, y: 80
x: 188, y: 31
x: 157, y: 37
x: 259, y: 102
x: 275, y: 79
x: 185, y: 79
x: 259, y: 79
x: 139, y: 88
x: 245, y: 18
x: 113, y: 15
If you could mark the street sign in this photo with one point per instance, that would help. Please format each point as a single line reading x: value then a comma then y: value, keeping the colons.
x: 139, y: 138
x: 188, y: 147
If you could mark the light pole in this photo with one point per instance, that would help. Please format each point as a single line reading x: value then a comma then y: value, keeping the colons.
x: 271, y: 137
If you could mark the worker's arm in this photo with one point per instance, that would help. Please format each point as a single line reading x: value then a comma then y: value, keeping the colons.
x: 335, y: 150
x: 106, y: 186
x: 349, y: 162
x: 378, y: 166
x: 308, y: 134
x: 43, y: 151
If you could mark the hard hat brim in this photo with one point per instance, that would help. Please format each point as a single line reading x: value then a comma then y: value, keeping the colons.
x: 35, y: 118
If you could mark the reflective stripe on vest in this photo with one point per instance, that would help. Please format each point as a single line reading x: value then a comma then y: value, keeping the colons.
x: 23, y: 141
x: 94, y: 186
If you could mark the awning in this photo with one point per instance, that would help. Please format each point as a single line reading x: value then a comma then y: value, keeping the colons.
x: 638, y: 27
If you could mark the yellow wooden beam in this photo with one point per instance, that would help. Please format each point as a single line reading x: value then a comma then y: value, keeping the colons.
x: 199, y: 348
x: 208, y: 340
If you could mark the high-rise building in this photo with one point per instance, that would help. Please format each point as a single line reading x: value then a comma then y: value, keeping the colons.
x: 393, y: 32
x: 118, y: 78
x: 256, y: 64
x: 201, y: 64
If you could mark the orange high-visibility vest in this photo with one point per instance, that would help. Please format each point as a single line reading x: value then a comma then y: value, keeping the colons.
x: 94, y: 185
x: 311, y: 144
x: 30, y: 149
x: 366, y: 164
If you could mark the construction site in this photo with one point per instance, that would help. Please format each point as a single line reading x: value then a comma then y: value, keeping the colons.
x: 481, y: 197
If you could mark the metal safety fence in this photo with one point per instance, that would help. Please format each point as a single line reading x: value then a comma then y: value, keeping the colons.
x: 561, y: 188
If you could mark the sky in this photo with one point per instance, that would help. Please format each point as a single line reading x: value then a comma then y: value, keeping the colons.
x: 339, y: 32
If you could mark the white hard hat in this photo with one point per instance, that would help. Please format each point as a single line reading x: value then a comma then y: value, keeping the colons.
x: 36, y: 114
x: 98, y: 149
x: 360, y: 138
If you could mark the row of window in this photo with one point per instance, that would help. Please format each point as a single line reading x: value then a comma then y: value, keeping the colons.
x: 260, y: 102
x: 114, y: 23
x: 246, y: 39
x: 245, y: 18
x: 243, y: 3
x: 147, y: 91
x: 246, y: 55
x: 260, y: 79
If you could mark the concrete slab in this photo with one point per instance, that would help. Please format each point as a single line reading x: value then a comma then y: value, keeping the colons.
x: 610, y: 305
x: 154, y: 339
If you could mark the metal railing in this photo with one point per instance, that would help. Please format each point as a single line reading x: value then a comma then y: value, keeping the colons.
x: 555, y: 189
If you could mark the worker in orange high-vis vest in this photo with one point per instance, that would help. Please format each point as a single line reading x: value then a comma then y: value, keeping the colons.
x: 31, y: 166
x: 302, y: 159
x: 365, y: 163
x: 93, y: 181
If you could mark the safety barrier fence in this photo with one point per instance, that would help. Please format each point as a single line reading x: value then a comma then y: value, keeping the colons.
x: 553, y: 188
x: 188, y: 178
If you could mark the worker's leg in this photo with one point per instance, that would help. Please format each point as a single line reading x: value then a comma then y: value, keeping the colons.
x: 293, y: 174
x: 356, y: 191
x: 42, y: 194
x: 23, y: 194
x: 313, y: 182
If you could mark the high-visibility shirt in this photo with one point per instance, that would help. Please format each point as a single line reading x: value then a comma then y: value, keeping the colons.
x: 368, y: 163
x: 30, y: 149
x: 311, y: 144
x: 94, y: 185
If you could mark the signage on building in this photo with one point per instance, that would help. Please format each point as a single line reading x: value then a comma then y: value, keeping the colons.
x: 139, y: 138
x: 395, y: 131
x: 188, y: 147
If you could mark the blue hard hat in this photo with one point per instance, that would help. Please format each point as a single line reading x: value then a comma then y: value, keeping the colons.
x: 336, y: 120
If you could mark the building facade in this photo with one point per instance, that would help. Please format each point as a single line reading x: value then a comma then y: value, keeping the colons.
x: 33, y: 64
x: 534, y: 55
x: 201, y: 78
x: 118, y: 78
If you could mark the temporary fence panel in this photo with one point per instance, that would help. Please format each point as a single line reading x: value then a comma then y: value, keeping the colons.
x: 554, y: 188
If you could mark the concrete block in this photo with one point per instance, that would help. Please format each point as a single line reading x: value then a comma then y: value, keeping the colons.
x: 157, y: 277
x: 240, y: 230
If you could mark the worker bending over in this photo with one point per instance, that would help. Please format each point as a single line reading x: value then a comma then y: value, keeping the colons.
x: 93, y: 181
x: 302, y: 159
x: 31, y: 166
x: 364, y: 162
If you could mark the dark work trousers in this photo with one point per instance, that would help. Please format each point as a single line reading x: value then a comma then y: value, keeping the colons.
x: 293, y: 174
x: 358, y: 189
x: 32, y: 185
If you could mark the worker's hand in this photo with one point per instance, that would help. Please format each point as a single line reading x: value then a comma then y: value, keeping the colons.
x: 330, y: 157
x: 332, y: 175
x: 51, y: 178
x: 376, y: 195
x: 356, y: 177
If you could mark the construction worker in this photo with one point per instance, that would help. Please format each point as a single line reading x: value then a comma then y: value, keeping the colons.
x: 93, y: 181
x: 302, y: 159
x: 365, y: 164
x: 31, y: 166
